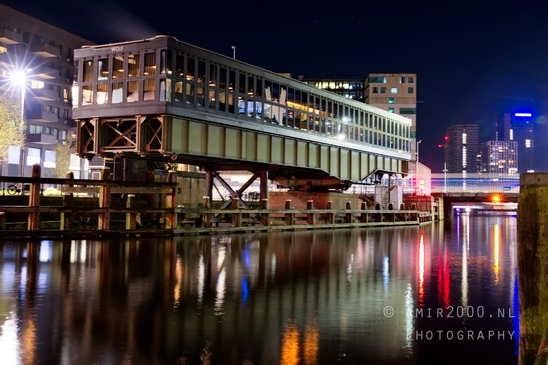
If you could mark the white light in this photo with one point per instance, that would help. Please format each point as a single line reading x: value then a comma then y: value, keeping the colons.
x: 523, y: 114
x: 340, y: 136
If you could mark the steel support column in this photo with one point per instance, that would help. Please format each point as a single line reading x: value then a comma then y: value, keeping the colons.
x: 264, y: 184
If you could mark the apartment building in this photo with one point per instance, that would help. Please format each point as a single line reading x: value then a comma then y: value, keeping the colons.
x: 44, y: 53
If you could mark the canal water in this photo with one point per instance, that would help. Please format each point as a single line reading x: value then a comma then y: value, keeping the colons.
x: 436, y: 294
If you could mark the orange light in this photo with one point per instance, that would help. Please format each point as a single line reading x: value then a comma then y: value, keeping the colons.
x: 496, y: 198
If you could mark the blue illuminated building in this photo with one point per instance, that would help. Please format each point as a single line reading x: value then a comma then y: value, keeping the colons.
x: 518, y: 127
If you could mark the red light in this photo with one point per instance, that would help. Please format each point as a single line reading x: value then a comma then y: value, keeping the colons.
x: 440, y: 146
x: 446, y: 138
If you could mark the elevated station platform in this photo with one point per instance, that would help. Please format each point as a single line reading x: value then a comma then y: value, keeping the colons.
x: 165, y: 100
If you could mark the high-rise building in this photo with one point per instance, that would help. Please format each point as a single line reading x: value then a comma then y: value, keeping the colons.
x: 462, y: 149
x: 499, y: 158
x: 44, y: 53
x: 396, y: 93
x: 518, y: 127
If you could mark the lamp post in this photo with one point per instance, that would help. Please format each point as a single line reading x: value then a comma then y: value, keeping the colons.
x: 19, y: 78
x: 234, y: 52
x: 445, y: 177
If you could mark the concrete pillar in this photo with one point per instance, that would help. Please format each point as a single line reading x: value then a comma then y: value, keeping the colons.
x: 532, y: 216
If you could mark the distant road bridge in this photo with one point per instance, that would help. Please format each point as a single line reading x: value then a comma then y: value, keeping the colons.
x: 165, y: 100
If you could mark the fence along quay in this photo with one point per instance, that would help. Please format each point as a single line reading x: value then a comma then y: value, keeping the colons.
x: 123, y: 208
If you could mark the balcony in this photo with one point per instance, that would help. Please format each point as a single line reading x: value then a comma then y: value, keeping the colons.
x: 46, y: 50
x: 41, y: 116
x: 8, y: 36
x: 41, y: 138
x: 45, y: 72
x: 45, y: 94
x: 5, y: 59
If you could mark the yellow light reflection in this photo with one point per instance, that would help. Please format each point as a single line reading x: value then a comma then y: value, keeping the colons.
x: 421, y: 271
x: 496, y: 242
x: 311, y: 343
x: 28, y: 345
x: 290, y: 345
x: 178, y: 285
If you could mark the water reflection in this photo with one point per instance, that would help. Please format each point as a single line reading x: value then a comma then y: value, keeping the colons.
x: 313, y: 297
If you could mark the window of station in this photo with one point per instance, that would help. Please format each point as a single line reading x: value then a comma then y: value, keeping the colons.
x: 410, y: 90
x: 410, y: 79
x: 102, y: 94
x: 132, y: 93
x: 150, y: 64
x: 102, y: 69
x: 118, y: 67
x: 391, y: 101
x: 133, y: 65
x: 394, y: 90
x: 88, y: 71
x: 383, y: 90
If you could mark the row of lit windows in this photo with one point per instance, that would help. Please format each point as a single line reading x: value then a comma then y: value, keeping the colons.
x: 382, y: 79
x: 190, y: 81
x: 393, y: 90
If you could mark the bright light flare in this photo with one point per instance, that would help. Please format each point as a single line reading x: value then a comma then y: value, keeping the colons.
x: 496, y: 198
x: 18, y: 78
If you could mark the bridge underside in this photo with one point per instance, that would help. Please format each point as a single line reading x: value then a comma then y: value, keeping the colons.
x: 290, y: 162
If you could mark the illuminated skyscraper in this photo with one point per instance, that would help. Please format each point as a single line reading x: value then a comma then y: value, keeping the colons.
x: 518, y: 127
x: 462, y: 149
x: 499, y: 158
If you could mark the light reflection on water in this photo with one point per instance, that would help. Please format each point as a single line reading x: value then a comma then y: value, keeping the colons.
x: 312, y: 297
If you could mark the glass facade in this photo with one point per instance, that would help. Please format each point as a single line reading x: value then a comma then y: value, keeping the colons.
x: 224, y: 86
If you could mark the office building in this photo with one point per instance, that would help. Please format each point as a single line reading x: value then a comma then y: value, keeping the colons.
x: 45, y: 54
x: 518, y: 127
x: 499, y: 158
x: 462, y: 150
x: 351, y: 87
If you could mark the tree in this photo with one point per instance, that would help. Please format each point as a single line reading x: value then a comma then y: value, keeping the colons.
x: 12, y: 128
x: 63, y: 151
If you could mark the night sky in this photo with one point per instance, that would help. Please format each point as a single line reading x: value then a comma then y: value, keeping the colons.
x: 473, y: 59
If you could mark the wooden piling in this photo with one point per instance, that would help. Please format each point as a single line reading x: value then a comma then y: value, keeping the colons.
x: 330, y: 216
x: 104, y: 200
x: 532, y: 228
x: 131, y: 219
x: 363, y: 216
x: 34, y: 199
x: 265, y: 217
x: 348, y: 215
x: 68, y: 202
x: 236, y: 217
x: 310, y: 217
x: 171, y: 202
x: 289, y: 217
x: 206, y: 215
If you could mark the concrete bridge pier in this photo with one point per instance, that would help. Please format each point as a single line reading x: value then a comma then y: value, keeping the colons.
x: 532, y: 219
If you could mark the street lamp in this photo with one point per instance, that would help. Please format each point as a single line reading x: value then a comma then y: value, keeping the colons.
x: 19, y: 79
